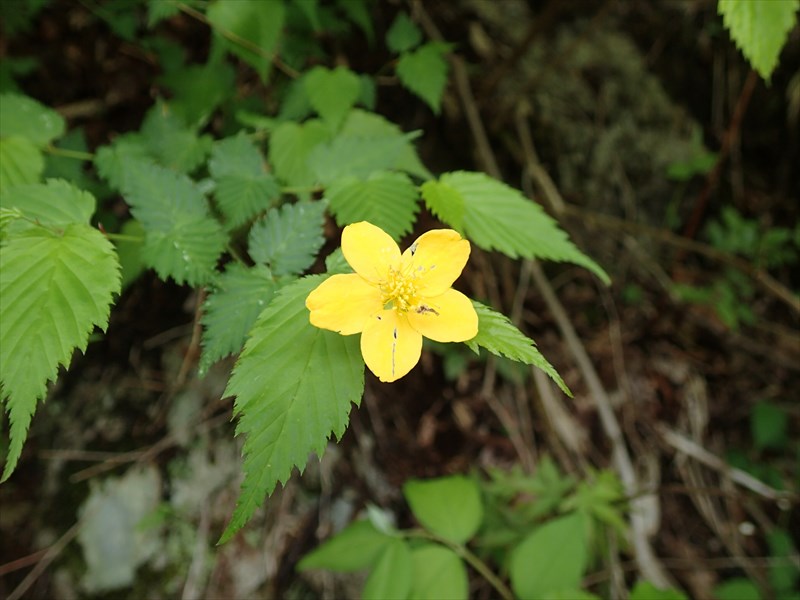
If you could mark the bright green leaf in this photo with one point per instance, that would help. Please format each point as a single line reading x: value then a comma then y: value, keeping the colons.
x: 236, y: 299
x: 250, y: 29
x: 760, y: 28
x: 113, y: 161
x: 182, y: 241
x: 21, y: 162
x: 499, y: 336
x: 737, y: 588
x: 367, y: 125
x: 438, y: 573
x: 498, y: 217
x: 244, y: 188
x: 388, y: 200
x: 450, y: 507
x: 289, y: 148
x: 550, y: 559
x: 332, y: 93
x: 444, y: 202
x: 424, y: 73
x: 356, y: 547
x: 48, y: 307
x: 644, y: 590
x: 25, y: 117
x: 288, y: 238
x: 294, y: 385
x: 351, y: 156
x: 391, y: 577
x: 171, y: 143
x: 55, y: 202
x: 403, y: 34
x: 130, y: 251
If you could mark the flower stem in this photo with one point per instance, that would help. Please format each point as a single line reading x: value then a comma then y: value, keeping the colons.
x: 65, y: 152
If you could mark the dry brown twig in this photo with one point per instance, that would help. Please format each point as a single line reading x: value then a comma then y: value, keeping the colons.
x: 650, y: 567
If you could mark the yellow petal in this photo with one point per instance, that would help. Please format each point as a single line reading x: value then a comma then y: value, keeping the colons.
x: 449, y: 317
x: 390, y: 346
x: 369, y: 250
x: 436, y: 259
x: 343, y: 303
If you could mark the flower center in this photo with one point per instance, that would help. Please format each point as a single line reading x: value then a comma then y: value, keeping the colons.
x: 400, y: 290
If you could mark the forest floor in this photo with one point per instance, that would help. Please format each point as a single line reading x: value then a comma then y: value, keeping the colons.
x: 588, y: 107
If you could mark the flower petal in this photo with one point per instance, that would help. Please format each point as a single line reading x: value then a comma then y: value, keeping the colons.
x: 343, y: 303
x: 369, y: 250
x: 449, y: 317
x: 437, y: 259
x: 390, y: 346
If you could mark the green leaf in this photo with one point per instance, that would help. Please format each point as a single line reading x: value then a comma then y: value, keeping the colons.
x: 171, y: 143
x: 244, y: 188
x: 181, y: 240
x: 769, y: 426
x: 644, y: 590
x: 232, y: 306
x: 450, y: 507
x: 197, y: 90
x: 113, y: 161
x: 424, y: 73
x: 250, y: 29
x: 403, y: 34
x: 499, y: 336
x: 550, y: 559
x: 56, y: 285
x: 367, y: 125
x: 55, y: 202
x: 352, y: 156
x: 498, y: 217
x: 25, y: 117
x: 290, y: 146
x: 444, y: 202
x: 158, y: 10
x: 130, y: 252
x: 438, y: 573
x: 388, y: 200
x: 332, y: 93
x: 294, y: 384
x: 358, y: 13
x: 783, y: 574
x: 392, y: 575
x: 21, y: 162
x: 738, y: 588
x: 760, y: 28
x: 356, y: 547
x: 288, y: 238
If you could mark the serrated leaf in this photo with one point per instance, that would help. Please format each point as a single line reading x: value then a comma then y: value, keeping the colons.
x: 552, y: 558
x: 55, y: 287
x: 55, y: 202
x: 760, y: 29
x: 388, y: 200
x: 21, y: 162
x: 294, y: 385
x: 25, y: 117
x: 244, y: 188
x: 444, y: 202
x: 356, y: 547
x: 403, y: 34
x: 236, y: 299
x: 499, y: 336
x: 250, y: 29
x: 171, y: 143
x: 364, y: 124
x: 129, y: 251
x: 498, y: 217
x: 289, y: 148
x: 424, y: 73
x: 197, y: 90
x: 351, y: 156
x: 438, y: 573
x: 181, y: 240
x: 392, y: 575
x: 113, y: 161
x: 288, y: 238
x: 450, y: 507
x: 332, y: 93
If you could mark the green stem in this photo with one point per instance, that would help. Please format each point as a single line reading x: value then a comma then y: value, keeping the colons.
x: 465, y: 553
x: 69, y: 153
x: 121, y: 237
x: 301, y: 190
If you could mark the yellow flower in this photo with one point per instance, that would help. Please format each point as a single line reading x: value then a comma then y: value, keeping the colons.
x: 394, y: 299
